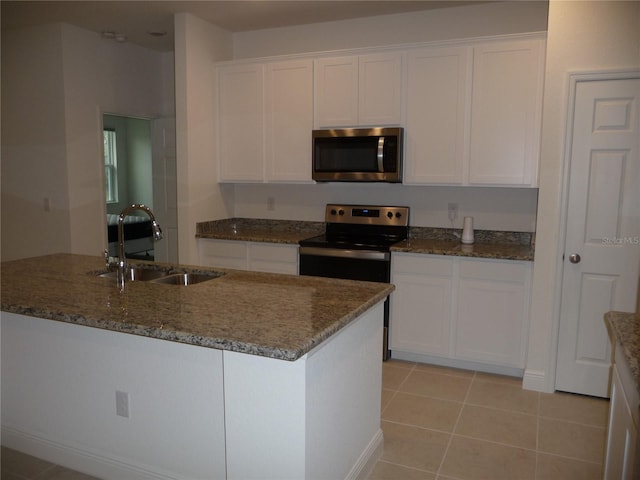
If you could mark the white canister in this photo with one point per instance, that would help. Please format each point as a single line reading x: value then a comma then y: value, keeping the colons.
x: 467, y: 231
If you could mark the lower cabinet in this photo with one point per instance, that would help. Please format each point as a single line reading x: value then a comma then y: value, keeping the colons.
x: 453, y: 310
x: 255, y: 256
x: 622, y: 436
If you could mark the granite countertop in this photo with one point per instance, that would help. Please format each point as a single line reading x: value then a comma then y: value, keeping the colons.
x: 625, y: 328
x: 259, y: 230
x: 436, y: 241
x: 271, y: 315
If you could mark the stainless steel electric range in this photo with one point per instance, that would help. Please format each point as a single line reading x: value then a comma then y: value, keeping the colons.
x: 356, y: 245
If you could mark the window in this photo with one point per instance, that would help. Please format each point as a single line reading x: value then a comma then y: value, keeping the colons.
x: 110, y: 165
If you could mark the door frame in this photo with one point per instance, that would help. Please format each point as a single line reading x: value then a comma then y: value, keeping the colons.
x: 573, y: 79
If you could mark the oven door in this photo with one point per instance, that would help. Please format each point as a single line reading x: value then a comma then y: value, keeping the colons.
x: 372, y: 266
x: 368, y: 265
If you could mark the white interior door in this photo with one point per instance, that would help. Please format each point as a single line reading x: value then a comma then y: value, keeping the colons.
x: 165, y: 198
x: 602, y: 246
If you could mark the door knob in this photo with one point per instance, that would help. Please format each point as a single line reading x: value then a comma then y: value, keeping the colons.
x: 575, y: 258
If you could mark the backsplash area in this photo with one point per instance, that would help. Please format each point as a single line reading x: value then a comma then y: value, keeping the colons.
x: 493, y: 208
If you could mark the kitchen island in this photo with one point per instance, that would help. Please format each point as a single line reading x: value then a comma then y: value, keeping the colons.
x: 247, y: 375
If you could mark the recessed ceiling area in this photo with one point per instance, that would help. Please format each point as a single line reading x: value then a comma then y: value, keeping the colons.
x: 138, y: 20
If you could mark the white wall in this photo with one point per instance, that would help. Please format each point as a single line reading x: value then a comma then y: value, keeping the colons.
x: 582, y: 36
x: 33, y: 144
x: 429, y: 25
x: 198, y: 45
x: 492, y: 208
x: 57, y: 81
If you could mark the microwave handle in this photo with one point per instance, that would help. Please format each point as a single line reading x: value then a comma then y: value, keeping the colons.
x: 381, y: 154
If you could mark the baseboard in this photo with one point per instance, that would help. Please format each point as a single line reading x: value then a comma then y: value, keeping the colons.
x: 457, y: 363
x: 367, y: 461
x: 534, y: 380
x: 79, y: 459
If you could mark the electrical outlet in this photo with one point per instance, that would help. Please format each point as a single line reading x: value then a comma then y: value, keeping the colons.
x: 271, y: 203
x: 453, y: 212
x: 122, y: 404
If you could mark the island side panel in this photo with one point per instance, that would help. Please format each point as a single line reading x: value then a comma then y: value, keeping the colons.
x: 344, y: 385
x: 317, y: 417
x: 58, y: 401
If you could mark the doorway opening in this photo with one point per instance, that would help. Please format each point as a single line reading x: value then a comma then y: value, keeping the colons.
x: 128, y: 163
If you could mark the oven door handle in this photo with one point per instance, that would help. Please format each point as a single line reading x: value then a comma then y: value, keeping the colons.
x: 345, y: 253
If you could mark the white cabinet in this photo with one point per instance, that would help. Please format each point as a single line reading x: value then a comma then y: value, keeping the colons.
x: 474, y: 113
x: 254, y: 256
x: 288, y: 120
x: 421, y: 304
x: 240, y: 123
x: 622, y: 435
x: 457, y: 310
x: 363, y: 90
x: 438, y: 91
x: 506, y: 113
x: 265, y: 118
x: 493, y: 305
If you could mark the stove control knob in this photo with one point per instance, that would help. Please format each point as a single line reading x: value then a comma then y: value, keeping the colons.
x: 340, y: 212
x: 390, y: 214
x: 398, y: 215
x: 333, y: 211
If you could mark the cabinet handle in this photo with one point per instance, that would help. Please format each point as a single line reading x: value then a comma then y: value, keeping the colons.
x: 575, y: 258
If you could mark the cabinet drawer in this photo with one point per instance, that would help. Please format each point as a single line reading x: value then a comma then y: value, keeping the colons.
x: 223, y: 253
x: 505, y: 271
x: 422, y: 264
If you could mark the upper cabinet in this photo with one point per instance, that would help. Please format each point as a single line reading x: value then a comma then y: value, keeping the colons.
x: 471, y: 111
x: 364, y: 90
x: 265, y: 118
x: 474, y: 114
x: 288, y: 121
x: 506, y: 113
x: 240, y: 123
x: 438, y: 92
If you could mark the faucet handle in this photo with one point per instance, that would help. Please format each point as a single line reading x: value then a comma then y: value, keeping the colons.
x: 109, y: 261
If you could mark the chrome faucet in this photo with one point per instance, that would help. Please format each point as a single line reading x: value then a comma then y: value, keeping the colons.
x: 122, y: 259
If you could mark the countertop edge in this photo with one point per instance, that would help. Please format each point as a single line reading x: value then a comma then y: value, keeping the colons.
x: 624, y: 328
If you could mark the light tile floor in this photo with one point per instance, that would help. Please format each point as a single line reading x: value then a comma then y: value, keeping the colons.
x: 18, y: 466
x: 447, y: 424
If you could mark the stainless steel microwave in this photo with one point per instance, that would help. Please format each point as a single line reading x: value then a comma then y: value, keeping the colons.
x: 358, y: 155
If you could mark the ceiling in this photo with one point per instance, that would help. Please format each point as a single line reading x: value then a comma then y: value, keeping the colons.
x: 136, y: 19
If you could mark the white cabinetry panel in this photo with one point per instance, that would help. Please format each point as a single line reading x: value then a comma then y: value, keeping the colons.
x: 356, y: 90
x: 438, y: 84
x: 288, y: 120
x: 506, y: 113
x: 240, y: 123
x: 254, y: 256
x: 456, y: 310
x: 492, y: 302
x: 421, y: 281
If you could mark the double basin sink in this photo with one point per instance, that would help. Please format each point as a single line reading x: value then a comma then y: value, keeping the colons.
x: 168, y: 277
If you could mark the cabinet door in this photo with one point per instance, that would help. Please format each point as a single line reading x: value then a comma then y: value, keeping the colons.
x: 223, y: 253
x: 380, y: 89
x: 273, y: 258
x: 336, y: 92
x: 288, y: 120
x: 621, y: 435
x: 438, y: 87
x: 420, y: 305
x: 493, y: 308
x: 506, y: 113
x: 240, y: 121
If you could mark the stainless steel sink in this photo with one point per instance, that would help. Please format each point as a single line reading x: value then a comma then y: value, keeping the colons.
x: 186, y: 278
x: 137, y: 273
x: 168, y: 277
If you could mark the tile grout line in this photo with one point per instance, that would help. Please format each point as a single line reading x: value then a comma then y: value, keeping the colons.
x: 455, y: 425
